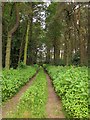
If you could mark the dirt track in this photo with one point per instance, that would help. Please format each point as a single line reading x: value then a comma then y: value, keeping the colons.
x: 11, y: 104
x: 54, y: 105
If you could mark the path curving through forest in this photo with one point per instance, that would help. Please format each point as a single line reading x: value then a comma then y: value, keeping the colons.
x: 54, y: 105
x: 11, y: 104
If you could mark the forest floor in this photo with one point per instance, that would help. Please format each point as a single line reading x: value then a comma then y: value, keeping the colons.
x: 53, y: 106
x: 11, y: 104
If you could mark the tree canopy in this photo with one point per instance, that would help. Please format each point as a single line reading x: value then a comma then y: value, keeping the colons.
x: 40, y: 32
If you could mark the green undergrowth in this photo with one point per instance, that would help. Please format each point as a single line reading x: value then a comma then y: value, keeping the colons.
x: 32, y: 103
x: 71, y: 84
x: 14, y: 79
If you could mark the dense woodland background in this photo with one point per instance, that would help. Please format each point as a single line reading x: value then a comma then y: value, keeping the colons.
x: 38, y: 32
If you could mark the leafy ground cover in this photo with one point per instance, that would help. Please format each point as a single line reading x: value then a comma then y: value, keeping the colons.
x: 71, y: 84
x: 14, y: 79
x: 32, y: 103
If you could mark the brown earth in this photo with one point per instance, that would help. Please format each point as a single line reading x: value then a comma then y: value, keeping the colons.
x: 11, y: 104
x: 54, y: 105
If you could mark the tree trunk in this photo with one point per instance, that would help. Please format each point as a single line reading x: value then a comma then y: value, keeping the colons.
x: 70, y: 40
x: 22, y: 45
x: 0, y: 39
x: 35, y: 58
x: 3, y: 5
x: 81, y: 41
x: 26, y: 43
x: 48, y: 55
x: 67, y: 51
x: 56, y: 52
x: 9, y: 39
x: 75, y: 40
x: 21, y: 49
x: 30, y: 59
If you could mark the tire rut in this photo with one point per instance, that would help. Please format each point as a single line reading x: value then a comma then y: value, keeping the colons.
x: 54, y: 105
x: 11, y: 104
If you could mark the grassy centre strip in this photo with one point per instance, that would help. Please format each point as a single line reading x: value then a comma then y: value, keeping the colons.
x: 33, y: 102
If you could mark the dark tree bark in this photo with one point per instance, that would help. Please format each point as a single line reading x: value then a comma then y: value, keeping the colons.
x: 9, y: 39
x: 48, y: 55
x: 56, y: 51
